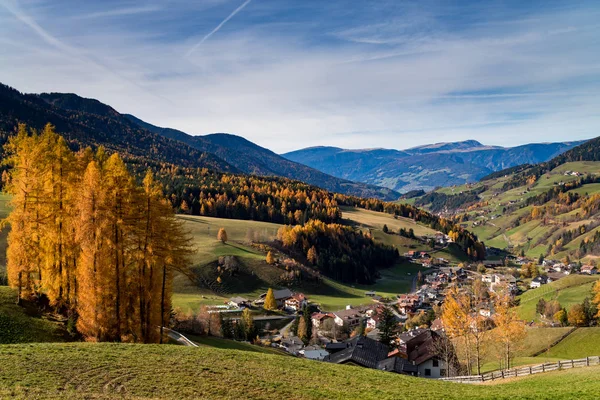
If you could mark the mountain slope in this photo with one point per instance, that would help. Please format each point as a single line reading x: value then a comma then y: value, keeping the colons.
x: 424, y: 167
x: 550, y: 209
x: 253, y: 159
x: 88, y: 122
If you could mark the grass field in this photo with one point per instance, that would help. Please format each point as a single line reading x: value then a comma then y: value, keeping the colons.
x: 24, y: 324
x: 219, y: 343
x: 535, y: 341
x: 569, y: 290
x: 89, y: 370
x: 373, y: 219
x: 583, y: 342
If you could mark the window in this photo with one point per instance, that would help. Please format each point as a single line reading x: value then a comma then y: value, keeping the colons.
x: 427, y: 372
x: 436, y: 363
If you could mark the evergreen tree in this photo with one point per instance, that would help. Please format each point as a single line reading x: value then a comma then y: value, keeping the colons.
x: 387, y: 326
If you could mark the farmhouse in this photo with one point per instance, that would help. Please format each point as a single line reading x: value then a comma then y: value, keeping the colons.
x: 589, y: 269
x: 539, y: 281
x: 421, y: 350
x: 296, y: 302
x: 238, y: 302
x: 349, y: 317
x: 359, y: 350
x: 318, y: 318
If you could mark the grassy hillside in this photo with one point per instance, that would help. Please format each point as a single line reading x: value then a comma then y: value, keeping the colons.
x: 366, y: 219
x: 583, y: 342
x: 24, y: 324
x: 493, y: 217
x: 88, y: 370
x: 255, y: 276
x: 569, y: 290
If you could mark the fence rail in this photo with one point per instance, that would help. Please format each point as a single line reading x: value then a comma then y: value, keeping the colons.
x: 524, y: 371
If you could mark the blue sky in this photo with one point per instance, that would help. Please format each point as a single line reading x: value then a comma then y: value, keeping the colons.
x: 290, y: 74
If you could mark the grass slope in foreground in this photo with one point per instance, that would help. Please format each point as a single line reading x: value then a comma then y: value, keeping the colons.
x: 24, y: 324
x: 89, y: 370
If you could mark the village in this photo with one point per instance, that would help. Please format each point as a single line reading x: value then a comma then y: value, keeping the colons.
x: 405, y: 334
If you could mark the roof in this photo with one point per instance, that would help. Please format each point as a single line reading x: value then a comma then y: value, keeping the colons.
x: 398, y: 365
x: 315, y: 354
x: 282, y: 294
x: 344, y: 314
x: 320, y: 316
x: 362, y: 351
x: 299, y: 297
x: 292, y: 340
x: 238, y: 300
x: 411, y: 335
x: 422, y: 347
x: 587, y: 267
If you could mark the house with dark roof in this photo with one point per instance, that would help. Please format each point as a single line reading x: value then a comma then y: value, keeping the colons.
x: 538, y: 281
x: 421, y: 349
x: 280, y: 297
x: 398, y: 365
x: 292, y: 344
x: 368, y: 353
x: 359, y: 350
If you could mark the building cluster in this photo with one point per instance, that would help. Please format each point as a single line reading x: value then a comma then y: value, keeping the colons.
x: 285, y: 299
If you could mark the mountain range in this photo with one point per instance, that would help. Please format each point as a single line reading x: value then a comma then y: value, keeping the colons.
x: 88, y: 122
x: 425, y: 167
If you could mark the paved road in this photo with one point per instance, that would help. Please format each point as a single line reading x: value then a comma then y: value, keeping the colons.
x: 179, y: 338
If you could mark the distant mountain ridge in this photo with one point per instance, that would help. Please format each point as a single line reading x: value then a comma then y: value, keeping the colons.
x: 89, y: 122
x: 425, y: 167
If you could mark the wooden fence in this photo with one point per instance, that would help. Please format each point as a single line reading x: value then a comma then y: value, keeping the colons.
x: 524, y: 371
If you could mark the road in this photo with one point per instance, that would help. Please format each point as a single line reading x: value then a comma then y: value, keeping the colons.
x: 179, y: 338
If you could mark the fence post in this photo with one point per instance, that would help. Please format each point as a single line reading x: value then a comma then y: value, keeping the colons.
x: 572, y: 363
x: 587, y: 361
x: 543, y: 367
x: 530, y: 371
x: 502, y: 374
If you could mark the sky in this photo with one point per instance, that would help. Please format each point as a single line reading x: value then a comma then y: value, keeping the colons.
x: 288, y: 74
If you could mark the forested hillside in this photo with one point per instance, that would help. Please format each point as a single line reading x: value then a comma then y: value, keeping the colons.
x: 88, y: 122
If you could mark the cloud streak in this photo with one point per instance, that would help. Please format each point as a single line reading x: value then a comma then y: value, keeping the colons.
x: 289, y: 77
x: 216, y: 29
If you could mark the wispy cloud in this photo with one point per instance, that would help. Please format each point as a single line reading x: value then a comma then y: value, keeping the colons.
x: 216, y: 29
x: 120, y: 12
x: 299, y: 74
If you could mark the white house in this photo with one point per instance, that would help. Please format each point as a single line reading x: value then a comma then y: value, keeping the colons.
x: 539, y: 281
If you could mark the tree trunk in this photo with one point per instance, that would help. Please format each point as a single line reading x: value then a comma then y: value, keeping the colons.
x: 19, y: 288
x: 162, y: 303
